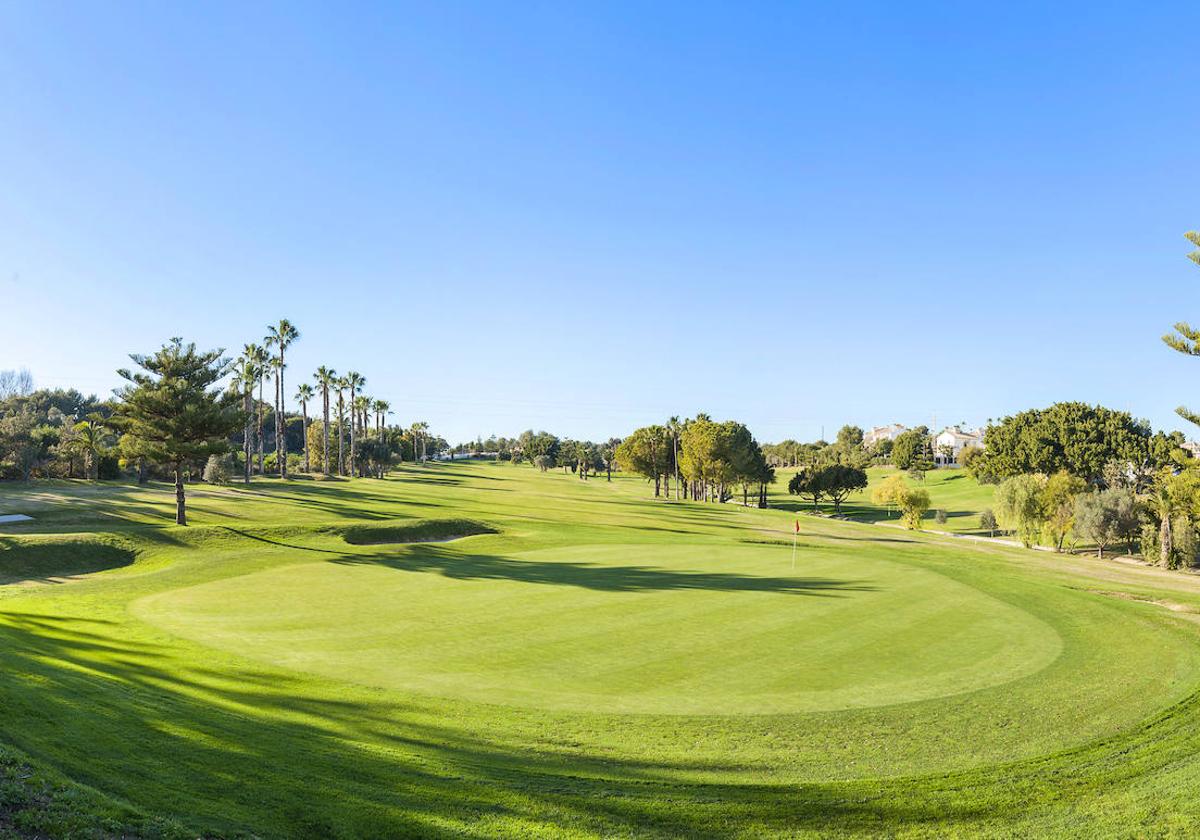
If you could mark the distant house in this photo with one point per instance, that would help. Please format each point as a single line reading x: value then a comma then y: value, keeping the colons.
x: 952, y: 440
x: 1192, y: 448
x: 879, y: 433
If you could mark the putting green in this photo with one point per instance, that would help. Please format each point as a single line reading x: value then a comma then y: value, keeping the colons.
x: 694, y: 629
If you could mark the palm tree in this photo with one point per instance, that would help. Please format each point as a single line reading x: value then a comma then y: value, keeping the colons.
x: 89, y: 439
x: 673, y: 426
x: 381, y: 408
x: 362, y: 404
x: 354, y: 381
x: 257, y: 357
x: 274, y: 364
x: 282, y: 335
x: 326, y: 379
x: 419, y: 429
x: 303, y: 394
x: 244, y: 375
x: 342, y: 383
x: 364, y: 414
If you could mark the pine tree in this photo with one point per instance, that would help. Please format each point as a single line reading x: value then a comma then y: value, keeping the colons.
x: 171, y: 412
x: 1186, y: 338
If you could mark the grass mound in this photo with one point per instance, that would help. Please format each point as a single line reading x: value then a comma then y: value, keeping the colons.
x: 422, y: 530
x: 49, y: 558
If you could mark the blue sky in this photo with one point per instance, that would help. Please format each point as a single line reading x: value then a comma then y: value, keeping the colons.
x: 587, y: 217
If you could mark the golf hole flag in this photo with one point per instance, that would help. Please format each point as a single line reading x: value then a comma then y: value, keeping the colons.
x: 795, y: 534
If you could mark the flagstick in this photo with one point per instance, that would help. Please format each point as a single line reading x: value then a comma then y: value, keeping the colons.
x: 793, y: 551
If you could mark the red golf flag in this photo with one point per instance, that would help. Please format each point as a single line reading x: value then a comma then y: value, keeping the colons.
x: 797, y: 526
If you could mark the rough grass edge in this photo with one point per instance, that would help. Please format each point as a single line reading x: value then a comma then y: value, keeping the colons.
x: 36, y: 802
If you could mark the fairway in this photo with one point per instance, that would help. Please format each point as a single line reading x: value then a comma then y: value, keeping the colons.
x: 483, y: 649
x: 951, y: 490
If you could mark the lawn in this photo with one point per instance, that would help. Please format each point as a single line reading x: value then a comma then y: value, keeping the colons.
x: 566, y: 658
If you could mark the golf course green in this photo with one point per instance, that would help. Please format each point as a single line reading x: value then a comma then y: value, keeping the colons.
x: 482, y: 649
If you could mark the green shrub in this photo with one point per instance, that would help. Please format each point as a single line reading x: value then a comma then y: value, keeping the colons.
x: 218, y: 469
x: 987, y: 521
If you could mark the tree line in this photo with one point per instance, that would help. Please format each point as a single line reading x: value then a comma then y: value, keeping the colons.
x: 1074, y: 471
x: 183, y: 413
x: 700, y: 458
x: 911, y: 450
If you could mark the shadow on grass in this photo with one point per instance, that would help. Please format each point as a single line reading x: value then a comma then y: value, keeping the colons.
x: 240, y: 750
x: 51, y: 560
x: 609, y: 578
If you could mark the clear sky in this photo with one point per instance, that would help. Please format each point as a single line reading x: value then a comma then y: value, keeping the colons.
x: 587, y: 217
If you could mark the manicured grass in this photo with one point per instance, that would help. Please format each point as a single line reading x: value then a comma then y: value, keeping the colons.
x: 601, y: 664
x: 951, y: 490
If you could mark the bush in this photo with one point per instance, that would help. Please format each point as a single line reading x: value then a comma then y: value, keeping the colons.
x: 218, y: 469
x: 987, y: 521
x: 1149, y: 542
x: 108, y: 468
x: 1185, y: 542
x: 913, y: 503
x: 1021, y: 506
x: 940, y: 517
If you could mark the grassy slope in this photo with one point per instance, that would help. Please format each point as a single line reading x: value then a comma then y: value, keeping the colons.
x: 950, y: 490
x: 257, y: 671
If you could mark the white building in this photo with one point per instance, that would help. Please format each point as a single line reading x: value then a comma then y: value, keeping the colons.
x: 882, y: 433
x: 953, y: 440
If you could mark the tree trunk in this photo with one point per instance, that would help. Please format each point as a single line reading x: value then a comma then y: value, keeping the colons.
x: 180, y: 503
x: 341, y: 436
x: 1165, y: 541
x: 675, y: 451
x: 278, y: 428
x: 281, y: 435
x: 353, y: 434
x: 260, y: 422
x: 247, y: 433
x: 325, y: 431
x: 304, y: 425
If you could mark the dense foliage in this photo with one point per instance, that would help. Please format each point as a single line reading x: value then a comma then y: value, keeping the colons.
x: 708, y: 460
x: 1073, y: 437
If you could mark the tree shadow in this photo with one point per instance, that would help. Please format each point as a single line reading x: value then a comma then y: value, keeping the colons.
x: 250, y: 535
x: 603, y: 577
x: 244, y: 750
